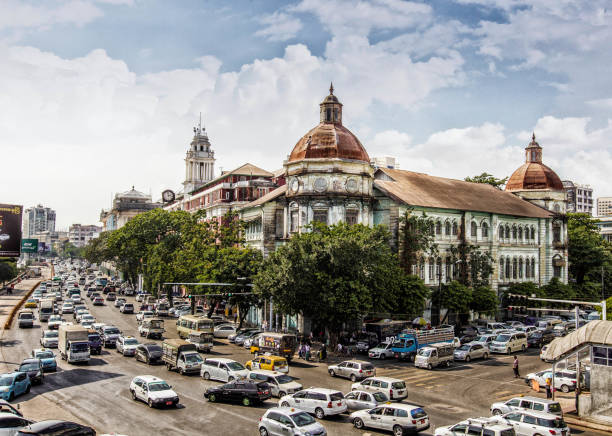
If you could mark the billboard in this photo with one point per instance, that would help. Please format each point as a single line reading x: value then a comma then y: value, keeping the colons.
x: 10, y: 230
x: 29, y: 245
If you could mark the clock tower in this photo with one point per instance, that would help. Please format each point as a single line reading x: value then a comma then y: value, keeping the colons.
x: 199, y: 161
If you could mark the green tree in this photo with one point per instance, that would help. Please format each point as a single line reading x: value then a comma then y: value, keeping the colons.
x: 416, y: 237
x: 489, y: 179
x: 8, y: 270
x: 484, y: 300
x: 454, y: 296
x: 587, y: 251
x: 334, y: 275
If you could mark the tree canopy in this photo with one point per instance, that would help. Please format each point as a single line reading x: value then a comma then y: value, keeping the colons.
x: 488, y: 179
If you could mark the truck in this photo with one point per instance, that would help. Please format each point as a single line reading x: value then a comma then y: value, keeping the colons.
x: 45, y: 310
x: 162, y: 309
x: 73, y: 343
x: 151, y: 328
x: 181, y: 355
x: 95, y: 342
x: 433, y: 355
x: 407, y: 343
x: 278, y: 344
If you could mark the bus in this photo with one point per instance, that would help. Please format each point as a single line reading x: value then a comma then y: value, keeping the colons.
x: 188, y: 324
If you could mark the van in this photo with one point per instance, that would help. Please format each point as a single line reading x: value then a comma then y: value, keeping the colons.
x: 435, y: 355
x: 547, y: 324
x: 395, y: 389
x: 527, y: 403
x: 280, y: 384
x: 509, y: 342
x: 25, y: 318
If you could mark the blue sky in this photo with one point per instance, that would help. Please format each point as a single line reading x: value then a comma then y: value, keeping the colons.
x: 450, y: 87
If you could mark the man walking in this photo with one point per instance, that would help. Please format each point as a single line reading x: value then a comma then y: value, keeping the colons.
x: 515, y: 367
x: 548, y: 387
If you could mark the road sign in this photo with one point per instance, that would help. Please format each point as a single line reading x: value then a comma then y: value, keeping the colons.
x: 29, y: 245
x: 10, y: 230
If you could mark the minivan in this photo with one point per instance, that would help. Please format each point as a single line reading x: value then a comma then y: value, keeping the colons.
x: 509, y: 342
x: 393, y: 388
x: 527, y: 403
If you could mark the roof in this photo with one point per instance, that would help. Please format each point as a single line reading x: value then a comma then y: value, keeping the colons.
x: 418, y: 189
x: 248, y: 169
x: 149, y: 378
x: 594, y: 332
x: 534, y: 175
x: 275, y: 193
x: 329, y: 140
x: 132, y: 193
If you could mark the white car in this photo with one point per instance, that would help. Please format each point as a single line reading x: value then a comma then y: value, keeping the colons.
x: 49, y: 339
x: 362, y: 400
x: 565, y: 380
x: 280, y: 384
x: 281, y: 421
x: 88, y: 317
x: 532, y: 423
x: 381, y: 351
x: 54, y: 322
x: 319, y: 401
x: 398, y: 418
x: 140, y: 316
x: 488, y: 426
x: 67, y: 308
x: 222, y: 369
x: 126, y: 345
x: 394, y: 388
x: 527, y: 403
x: 153, y: 391
x: 224, y: 330
x: 79, y: 314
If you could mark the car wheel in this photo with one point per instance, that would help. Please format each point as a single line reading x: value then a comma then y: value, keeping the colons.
x: 496, y: 412
x: 332, y: 372
x: 468, y: 358
x: 150, y: 403
x: 358, y: 423
x: 281, y: 394
x: 230, y: 379
x: 212, y: 398
x: 565, y: 389
x: 246, y: 401
x: 398, y: 431
x: 263, y: 431
x: 284, y: 404
x: 429, y: 366
x: 180, y: 371
x: 133, y: 395
x: 319, y: 413
x: 27, y: 391
x: 206, y: 376
x: 485, y: 356
x: 353, y: 378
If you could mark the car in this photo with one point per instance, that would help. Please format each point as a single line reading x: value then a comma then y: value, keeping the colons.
x: 6, y: 407
x: 120, y: 302
x: 126, y: 345
x: 508, y: 342
x: 56, y: 427
x: 222, y: 369
x: 88, y: 317
x: 485, y: 426
x: 360, y: 400
x: 280, y: 384
x: 246, y: 392
x: 111, y: 296
x: 381, y: 351
x: 239, y: 339
x: 393, y: 387
x: 32, y: 303
x: 10, y: 424
x: 464, y: 339
x: 140, y: 316
x: 153, y: 390
x: 94, y: 295
x: 79, y: 314
x: 14, y: 384
x: 539, y: 338
x: 127, y: 308
x: 232, y: 337
x: 271, y: 363
x: 76, y: 298
x: 47, y: 358
x: 224, y: 330
x: 281, y: 421
x: 98, y: 301
x: 401, y: 419
x: 527, y: 403
x: 528, y: 329
x: 471, y: 351
x: 150, y: 353
x: 34, y: 369
x: 54, y: 322
x: 321, y: 402
x: 532, y: 423
x: 249, y: 341
x: 67, y: 308
x: 352, y: 369
x: 49, y: 338
x: 109, y: 334
x: 565, y: 380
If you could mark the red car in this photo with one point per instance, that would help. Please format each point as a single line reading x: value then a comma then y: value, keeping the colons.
x: 98, y: 301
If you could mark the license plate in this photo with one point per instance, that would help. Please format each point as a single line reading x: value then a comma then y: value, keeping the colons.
x: 400, y: 392
x: 422, y: 421
x: 168, y: 403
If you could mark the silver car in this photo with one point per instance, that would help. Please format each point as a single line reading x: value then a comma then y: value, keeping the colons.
x: 471, y: 351
x: 360, y: 400
x: 352, y: 369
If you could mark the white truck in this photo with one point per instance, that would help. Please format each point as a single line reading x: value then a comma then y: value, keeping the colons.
x: 45, y: 309
x: 162, y: 309
x: 73, y: 343
x: 151, y: 328
x: 434, y: 355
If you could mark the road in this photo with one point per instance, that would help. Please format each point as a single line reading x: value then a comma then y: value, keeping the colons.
x: 97, y: 394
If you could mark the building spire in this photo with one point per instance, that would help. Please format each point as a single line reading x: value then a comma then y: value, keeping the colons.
x: 331, y: 88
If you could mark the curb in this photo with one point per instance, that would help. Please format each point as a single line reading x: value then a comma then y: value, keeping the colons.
x: 587, y: 424
x: 9, y: 321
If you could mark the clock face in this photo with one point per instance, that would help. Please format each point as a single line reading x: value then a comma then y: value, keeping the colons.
x: 168, y: 195
x: 320, y: 184
x: 295, y: 185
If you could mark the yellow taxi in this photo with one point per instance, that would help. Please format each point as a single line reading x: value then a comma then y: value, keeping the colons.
x: 31, y: 303
x: 271, y: 363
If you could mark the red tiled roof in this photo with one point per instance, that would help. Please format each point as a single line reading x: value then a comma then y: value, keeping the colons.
x: 534, y: 175
x: 328, y: 140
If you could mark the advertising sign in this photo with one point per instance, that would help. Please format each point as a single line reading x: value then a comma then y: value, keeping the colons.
x: 29, y: 245
x: 10, y: 230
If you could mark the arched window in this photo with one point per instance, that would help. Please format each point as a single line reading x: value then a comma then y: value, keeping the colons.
x: 514, y: 233
x: 557, y: 208
x: 501, y: 267
x: 455, y: 230
x: 533, y: 234
x: 520, y: 268
x: 501, y: 232
x: 507, y: 267
x: 533, y: 267
x: 431, y: 272
x: 447, y: 269
x: 473, y: 229
x: 520, y: 233
x: 447, y: 228
x: 439, y: 269
x: 485, y: 230
x: 507, y: 231
x: 422, y: 268
x: 514, y: 268
x: 556, y: 232
x: 438, y: 228
x: 527, y: 269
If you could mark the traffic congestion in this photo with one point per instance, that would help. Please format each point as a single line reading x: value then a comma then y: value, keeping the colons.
x: 85, y: 319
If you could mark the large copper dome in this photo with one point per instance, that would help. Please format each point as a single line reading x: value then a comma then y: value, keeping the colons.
x: 533, y: 174
x: 330, y: 139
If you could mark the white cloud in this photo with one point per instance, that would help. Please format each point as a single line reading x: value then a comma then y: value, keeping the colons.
x: 279, y: 27
x: 17, y: 14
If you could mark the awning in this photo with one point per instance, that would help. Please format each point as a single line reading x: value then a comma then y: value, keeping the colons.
x: 594, y: 332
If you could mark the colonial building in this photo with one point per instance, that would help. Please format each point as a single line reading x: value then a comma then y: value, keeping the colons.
x: 330, y: 179
x: 79, y: 235
x: 126, y: 206
x: 199, y: 161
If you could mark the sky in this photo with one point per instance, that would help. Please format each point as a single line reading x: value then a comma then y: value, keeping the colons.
x: 97, y: 96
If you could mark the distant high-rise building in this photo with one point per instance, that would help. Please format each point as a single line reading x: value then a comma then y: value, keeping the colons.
x: 604, y: 206
x: 579, y: 197
x: 38, y: 219
x: 79, y: 235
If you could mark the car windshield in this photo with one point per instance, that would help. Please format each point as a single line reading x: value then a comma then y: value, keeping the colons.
x: 464, y: 348
x: 29, y: 367
x: 131, y: 342
x: 502, y: 338
x: 481, y: 339
x: 44, y: 355
x: 424, y: 352
x: 51, y: 334
x: 6, y: 381
x: 193, y: 358
x: 235, y: 366
x: 159, y: 386
x: 55, y: 318
x: 112, y: 331
x: 25, y: 316
x: 154, y: 348
x: 283, y: 379
x: 302, y: 419
x: 79, y: 348
x: 94, y: 337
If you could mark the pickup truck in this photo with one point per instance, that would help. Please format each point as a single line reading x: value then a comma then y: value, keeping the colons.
x: 181, y: 355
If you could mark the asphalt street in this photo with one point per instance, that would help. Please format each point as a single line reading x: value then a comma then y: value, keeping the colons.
x: 97, y: 394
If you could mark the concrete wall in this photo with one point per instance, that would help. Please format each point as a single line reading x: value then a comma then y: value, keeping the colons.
x: 601, y: 383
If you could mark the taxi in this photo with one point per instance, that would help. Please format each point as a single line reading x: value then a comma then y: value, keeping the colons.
x: 270, y: 363
x: 31, y: 304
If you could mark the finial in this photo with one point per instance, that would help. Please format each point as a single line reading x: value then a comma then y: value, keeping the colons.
x: 331, y: 88
x: 533, y: 136
x: 132, y: 187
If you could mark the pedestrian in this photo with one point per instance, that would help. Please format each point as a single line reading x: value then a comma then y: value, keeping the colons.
x: 339, y: 348
x: 301, y: 351
x: 307, y: 352
x: 548, y: 387
x: 515, y: 367
x: 323, y: 352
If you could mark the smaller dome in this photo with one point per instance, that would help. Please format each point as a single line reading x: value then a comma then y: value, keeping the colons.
x: 133, y: 194
x: 533, y: 175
